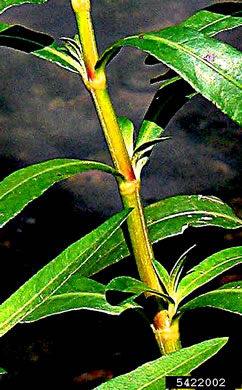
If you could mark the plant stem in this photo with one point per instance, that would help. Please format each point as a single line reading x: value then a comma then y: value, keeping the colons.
x: 129, y: 187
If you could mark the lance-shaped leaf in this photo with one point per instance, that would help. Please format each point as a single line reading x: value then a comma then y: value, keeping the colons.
x: 39, y: 44
x: 127, y: 284
x: 77, y: 293
x: 208, y: 269
x: 82, y: 256
x: 153, y: 375
x: 26, y: 184
x: 209, y: 23
x: 127, y: 129
x: 162, y: 274
x: 212, y: 67
x: 4, y: 4
x: 171, y: 216
x: 227, y: 297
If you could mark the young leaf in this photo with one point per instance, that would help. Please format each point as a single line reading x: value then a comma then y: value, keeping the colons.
x: 26, y: 184
x: 77, y: 293
x: 162, y: 274
x: 177, y: 270
x: 127, y: 129
x: 39, y: 44
x: 152, y: 375
x: 212, y: 67
x: 127, y: 284
x: 4, y: 4
x: 171, y: 216
x: 227, y: 297
x: 147, y: 132
x: 208, y: 269
x: 84, y: 255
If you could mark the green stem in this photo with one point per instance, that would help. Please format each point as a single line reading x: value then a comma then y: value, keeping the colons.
x: 129, y: 187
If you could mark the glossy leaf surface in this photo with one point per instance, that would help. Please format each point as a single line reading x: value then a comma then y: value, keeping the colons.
x: 212, y: 67
x: 4, y: 4
x: 227, y: 297
x: 77, y: 293
x: 82, y: 256
x: 171, y: 216
x: 152, y: 375
x: 26, y: 184
x: 208, y: 269
x: 41, y: 45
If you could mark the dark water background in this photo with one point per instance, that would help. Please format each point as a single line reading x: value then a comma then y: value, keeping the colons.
x: 46, y: 113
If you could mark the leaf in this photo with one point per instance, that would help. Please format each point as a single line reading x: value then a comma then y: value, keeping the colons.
x: 77, y: 293
x: 39, y: 44
x: 210, y: 23
x: 171, y: 216
x: 152, y: 375
x: 127, y: 129
x: 227, y: 297
x: 162, y: 274
x: 127, y: 284
x: 177, y: 270
x: 2, y: 371
x: 208, y: 269
x: 212, y: 67
x: 26, y: 184
x: 147, y: 133
x: 82, y: 256
x: 4, y: 4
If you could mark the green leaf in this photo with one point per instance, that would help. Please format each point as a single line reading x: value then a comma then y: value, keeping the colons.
x: 148, y: 132
x: 26, y: 184
x: 212, y: 67
x: 82, y: 256
x: 39, y: 44
x: 177, y: 270
x: 4, y: 4
x: 2, y: 371
x: 127, y: 284
x: 162, y: 274
x: 152, y: 375
x: 208, y: 269
x: 171, y: 216
x: 210, y: 23
x: 227, y: 297
x: 127, y: 129
x: 77, y: 293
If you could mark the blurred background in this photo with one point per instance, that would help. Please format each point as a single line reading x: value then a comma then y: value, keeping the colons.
x: 46, y: 113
